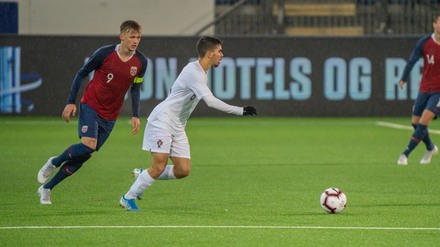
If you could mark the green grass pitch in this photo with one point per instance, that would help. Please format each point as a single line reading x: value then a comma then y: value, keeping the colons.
x: 255, y: 181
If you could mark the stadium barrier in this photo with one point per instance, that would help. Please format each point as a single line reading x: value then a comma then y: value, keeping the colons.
x: 281, y: 76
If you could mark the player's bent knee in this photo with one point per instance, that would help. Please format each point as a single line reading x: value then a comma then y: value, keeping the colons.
x: 155, y: 171
x: 89, y: 142
x: 181, y: 173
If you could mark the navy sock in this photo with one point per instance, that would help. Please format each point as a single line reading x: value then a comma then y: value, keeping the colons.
x: 72, y: 152
x: 427, y: 139
x: 68, y: 169
x: 417, y: 136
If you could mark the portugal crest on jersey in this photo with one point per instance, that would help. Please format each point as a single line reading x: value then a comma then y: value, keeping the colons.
x: 133, y: 71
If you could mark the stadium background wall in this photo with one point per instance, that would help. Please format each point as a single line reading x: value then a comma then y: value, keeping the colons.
x: 281, y: 76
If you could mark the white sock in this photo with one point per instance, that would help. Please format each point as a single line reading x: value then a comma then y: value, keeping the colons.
x: 142, y: 183
x: 168, y: 173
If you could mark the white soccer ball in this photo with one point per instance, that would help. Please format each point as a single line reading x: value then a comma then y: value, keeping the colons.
x: 333, y: 200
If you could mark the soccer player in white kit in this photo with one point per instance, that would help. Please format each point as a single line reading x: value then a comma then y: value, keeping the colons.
x: 165, y: 135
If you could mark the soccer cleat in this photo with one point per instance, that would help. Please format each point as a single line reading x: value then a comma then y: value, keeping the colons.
x: 136, y: 172
x: 403, y: 160
x: 44, y: 195
x: 46, y: 171
x: 428, y: 155
x: 128, y: 204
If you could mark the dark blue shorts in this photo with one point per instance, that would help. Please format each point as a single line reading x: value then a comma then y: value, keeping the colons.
x: 93, y: 126
x: 426, y: 101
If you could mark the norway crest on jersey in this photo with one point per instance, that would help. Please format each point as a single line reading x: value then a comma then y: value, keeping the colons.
x: 133, y: 70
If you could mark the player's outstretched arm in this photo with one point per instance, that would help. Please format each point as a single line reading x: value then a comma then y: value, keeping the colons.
x: 70, y: 109
x: 215, y: 103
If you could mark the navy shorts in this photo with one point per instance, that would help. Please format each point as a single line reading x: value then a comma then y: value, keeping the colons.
x: 426, y: 101
x: 93, y: 126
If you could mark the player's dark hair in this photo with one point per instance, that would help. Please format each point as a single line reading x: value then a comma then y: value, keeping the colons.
x: 127, y: 25
x: 207, y: 43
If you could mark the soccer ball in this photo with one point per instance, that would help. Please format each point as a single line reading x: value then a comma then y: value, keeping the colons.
x: 333, y: 200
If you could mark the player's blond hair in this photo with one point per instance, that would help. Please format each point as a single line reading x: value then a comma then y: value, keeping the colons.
x: 126, y: 26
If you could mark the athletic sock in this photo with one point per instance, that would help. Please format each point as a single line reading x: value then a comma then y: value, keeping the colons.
x: 427, y: 139
x: 417, y: 136
x: 168, y: 173
x: 67, y: 170
x: 142, y: 183
x: 72, y: 152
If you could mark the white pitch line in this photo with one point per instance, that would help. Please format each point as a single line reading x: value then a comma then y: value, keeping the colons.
x: 403, y: 127
x: 226, y: 227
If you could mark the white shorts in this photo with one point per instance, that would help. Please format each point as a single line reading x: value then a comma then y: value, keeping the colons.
x: 158, y: 139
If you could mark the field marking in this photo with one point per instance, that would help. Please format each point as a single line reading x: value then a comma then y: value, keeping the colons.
x: 403, y: 127
x: 227, y: 227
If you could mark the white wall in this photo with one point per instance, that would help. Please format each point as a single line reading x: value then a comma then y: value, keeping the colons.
x: 103, y: 17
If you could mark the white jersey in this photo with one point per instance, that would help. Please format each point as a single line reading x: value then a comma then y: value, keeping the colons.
x: 188, y: 89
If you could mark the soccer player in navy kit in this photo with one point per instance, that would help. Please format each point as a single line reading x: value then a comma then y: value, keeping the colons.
x: 427, y: 104
x: 117, y: 68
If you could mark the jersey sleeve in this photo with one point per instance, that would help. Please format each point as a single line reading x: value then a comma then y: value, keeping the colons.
x: 202, y: 91
x: 144, y: 61
x: 94, y: 62
x: 416, y: 54
x: 215, y: 103
x: 136, y: 87
x: 198, y: 85
x: 135, y: 92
